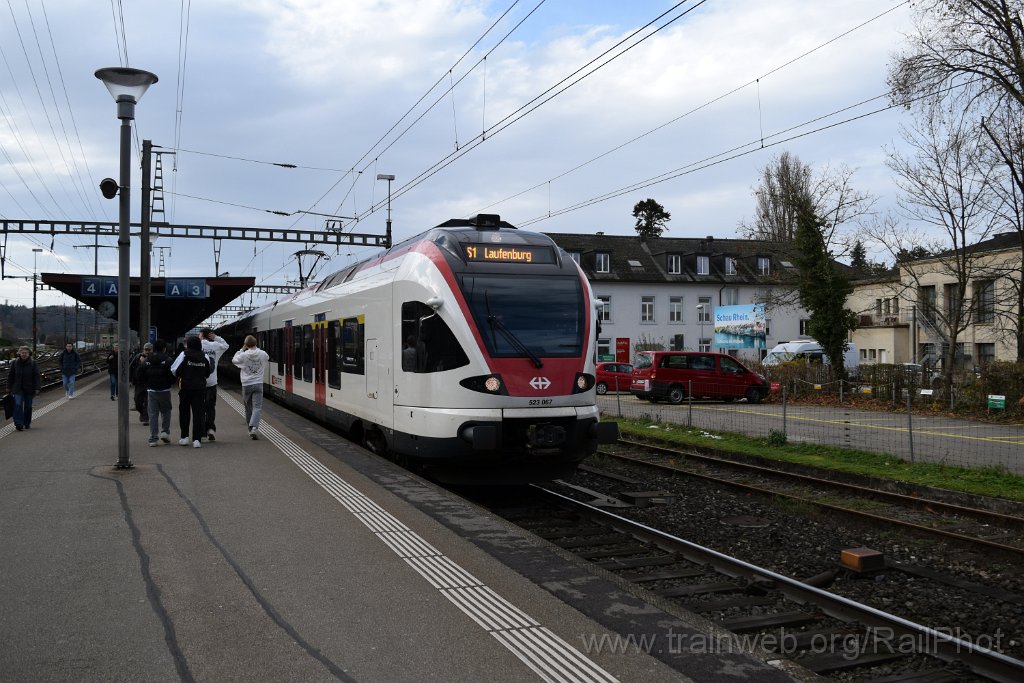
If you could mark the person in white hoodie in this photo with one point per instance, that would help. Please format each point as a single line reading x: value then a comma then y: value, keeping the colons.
x: 252, y: 362
x: 214, y: 347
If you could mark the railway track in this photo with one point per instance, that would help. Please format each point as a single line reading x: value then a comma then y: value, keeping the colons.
x: 822, y: 632
x: 989, y: 529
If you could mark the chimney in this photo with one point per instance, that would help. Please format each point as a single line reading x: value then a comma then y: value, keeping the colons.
x: 711, y: 238
x: 600, y: 232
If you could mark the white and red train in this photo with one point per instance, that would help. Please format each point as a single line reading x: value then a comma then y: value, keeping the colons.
x: 468, y: 350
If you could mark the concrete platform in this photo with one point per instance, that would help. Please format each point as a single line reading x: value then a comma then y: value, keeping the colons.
x: 294, y: 557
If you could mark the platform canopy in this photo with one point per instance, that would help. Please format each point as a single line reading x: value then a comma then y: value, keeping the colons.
x: 176, y: 304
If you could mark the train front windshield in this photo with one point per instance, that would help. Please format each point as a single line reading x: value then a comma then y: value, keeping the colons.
x: 523, y: 316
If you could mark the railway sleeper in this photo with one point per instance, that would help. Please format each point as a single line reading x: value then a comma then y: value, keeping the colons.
x: 700, y: 589
x: 841, y: 661
x: 766, y: 621
x: 634, y: 549
x: 637, y: 562
x: 592, y: 541
x: 929, y: 676
x: 728, y: 603
x: 567, y: 532
x: 667, y: 575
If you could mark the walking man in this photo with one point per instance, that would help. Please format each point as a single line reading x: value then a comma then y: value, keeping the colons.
x: 252, y: 362
x: 192, y: 368
x: 214, y: 347
x: 158, y: 380
x: 23, y: 382
x: 70, y: 363
x: 112, y: 372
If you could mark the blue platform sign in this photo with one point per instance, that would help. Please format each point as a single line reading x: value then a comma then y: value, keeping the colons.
x: 185, y: 288
x: 105, y: 287
x: 152, y: 333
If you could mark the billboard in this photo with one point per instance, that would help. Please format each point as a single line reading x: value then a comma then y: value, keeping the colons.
x: 740, y: 327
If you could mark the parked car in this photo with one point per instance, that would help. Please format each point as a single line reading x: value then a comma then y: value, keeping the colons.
x: 672, y: 375
x: 810, y: 351
x: 613, y: 377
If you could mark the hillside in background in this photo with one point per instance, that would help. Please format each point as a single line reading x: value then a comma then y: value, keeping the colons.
x: 55, y: 323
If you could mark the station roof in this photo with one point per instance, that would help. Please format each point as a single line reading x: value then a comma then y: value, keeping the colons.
x: 176, y: 304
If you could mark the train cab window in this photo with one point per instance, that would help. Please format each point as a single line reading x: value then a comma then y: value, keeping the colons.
x: 428, y: 344
x: 353, y: 346
x: 307, y: 353
x: 333, y: 362
x: 297, y: 351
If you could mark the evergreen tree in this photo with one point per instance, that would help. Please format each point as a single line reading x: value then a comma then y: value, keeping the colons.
x: 859, y: 258
x: 823, y: 289
x: 650, y: 218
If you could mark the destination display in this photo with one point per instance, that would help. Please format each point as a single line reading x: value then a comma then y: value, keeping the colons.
x: 507, y: 253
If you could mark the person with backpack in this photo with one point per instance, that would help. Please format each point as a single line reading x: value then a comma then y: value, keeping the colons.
x: 70, y: 363
x: 158, y: 379
x: 24, y: 382
x: 191, y: 368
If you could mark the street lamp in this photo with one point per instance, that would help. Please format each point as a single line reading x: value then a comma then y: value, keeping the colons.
x: 35, y: 330
x: 388, y: 177
x: 126, y: 86
x: 700, y: 318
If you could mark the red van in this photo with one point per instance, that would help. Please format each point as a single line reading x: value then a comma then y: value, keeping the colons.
x: 672, y: 375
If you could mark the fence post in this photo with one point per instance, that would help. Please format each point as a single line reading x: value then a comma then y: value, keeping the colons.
x: 784, y: 433
x: 910, y: 420
x: 840, y: 392
x: 618, y: 398
x: 689, y: 401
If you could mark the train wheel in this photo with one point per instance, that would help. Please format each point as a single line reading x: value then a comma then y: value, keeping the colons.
x: 374, y: 442
x: 602, y: 388
x: 676, y: 394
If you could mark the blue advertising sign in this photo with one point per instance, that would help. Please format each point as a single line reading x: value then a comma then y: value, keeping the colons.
x: 105, y: 287
x: 740, y: 327
x: 185, y: 288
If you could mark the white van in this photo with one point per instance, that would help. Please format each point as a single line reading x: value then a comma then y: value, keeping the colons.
x: 809, y: 351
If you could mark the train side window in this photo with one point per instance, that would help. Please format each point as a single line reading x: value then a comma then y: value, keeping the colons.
x: 307, y: 353
x: 352, y: 346
x: 333, y: 337
x: 297, y: 351
x: 277, y: 344
x: 428, y: 344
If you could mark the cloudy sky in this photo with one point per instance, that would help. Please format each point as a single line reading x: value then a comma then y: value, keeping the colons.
x: 559, y: 115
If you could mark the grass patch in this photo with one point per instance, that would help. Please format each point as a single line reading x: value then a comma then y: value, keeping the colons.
x: 984, y: 481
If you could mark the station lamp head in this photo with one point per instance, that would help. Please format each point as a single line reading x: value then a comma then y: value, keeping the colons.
x: 123, y: 81
x: 385, y: 176
x: 108, y: 186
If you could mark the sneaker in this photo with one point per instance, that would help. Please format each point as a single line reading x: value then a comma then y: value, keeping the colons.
x: 27, y: 426
x: 145, y: 423
x: 18, y: 427
x: 113, y: 398
x: 71, y: 395
x: 253, y: 435
x: 211, y: 435
x: 165, y: 437
x: 196, y: 444
x: 183, y: 441
x: 152, y: 444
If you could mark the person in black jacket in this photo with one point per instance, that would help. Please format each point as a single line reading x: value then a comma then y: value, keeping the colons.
x: 70, y: 363
x: 139, y: 380
x: 155, y: 373
x: 191, y: 368
x: 23, y: 382
x: 112, y: 372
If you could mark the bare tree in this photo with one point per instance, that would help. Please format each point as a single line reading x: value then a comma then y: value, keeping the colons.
x: 947, y: 184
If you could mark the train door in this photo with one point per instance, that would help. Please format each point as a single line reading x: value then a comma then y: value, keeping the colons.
x: 289, y: 355
x: 371, y: 368
x: 320, y: 359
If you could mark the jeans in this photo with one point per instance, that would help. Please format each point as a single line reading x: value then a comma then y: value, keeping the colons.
x: 210, y: 409
x: 159, y: 409
x: 190, y: 405
x: 113, y: 385
x: 69, y: 384
x: 252, y: 398
x: 22, y: 409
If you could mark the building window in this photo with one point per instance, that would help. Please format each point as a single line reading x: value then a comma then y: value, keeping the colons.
x: 878, y: 307
x: 675, y: 309
x: 804, y: 323
x: 763, y: 265
x: 926, y: 300
x: 730, y: 265
x: 604, y: 350
x: 954, y: 306
x: 731, y: 296
x: 986, y: 353
x: 647, y: 309
x: 603, y: 262
x: 704, y: 346
x: 984, y: 302
x: 704, y: 309
x: 675, y: 264
x: 703, y: 265
x: 575, y: 256
x: 604, y: 314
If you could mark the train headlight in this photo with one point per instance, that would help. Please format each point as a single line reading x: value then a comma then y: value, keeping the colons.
x: 583, y: 382
x: 486, y: 384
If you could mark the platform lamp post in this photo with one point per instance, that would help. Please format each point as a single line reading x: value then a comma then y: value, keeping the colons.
x: 126, y: 86
x: 388, y: 177
x: 35, y: 329
x: 700, y: 318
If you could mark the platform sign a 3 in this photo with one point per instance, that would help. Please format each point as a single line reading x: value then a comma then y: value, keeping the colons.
x: 185, y: 288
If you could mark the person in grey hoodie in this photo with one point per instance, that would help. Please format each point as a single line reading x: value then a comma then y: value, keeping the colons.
x: 252, y: 363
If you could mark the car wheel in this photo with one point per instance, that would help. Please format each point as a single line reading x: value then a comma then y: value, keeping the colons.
x: 602, y: 388
x: 676, y: 395
x: 753, y: 395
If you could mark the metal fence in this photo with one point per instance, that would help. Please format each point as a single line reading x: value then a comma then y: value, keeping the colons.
x: 897, y: 420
